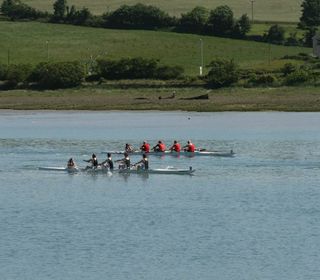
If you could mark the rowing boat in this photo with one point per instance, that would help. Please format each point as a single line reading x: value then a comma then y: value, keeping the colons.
x: 99, y: 169
x: 182, y: 153
x: 64, y: 169
x: 168, y: 170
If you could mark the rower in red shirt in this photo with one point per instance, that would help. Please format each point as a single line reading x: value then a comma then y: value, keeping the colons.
x: 189, y: 147
x: 175, y: 147
x: 145, y: 147
x: 160, y: 147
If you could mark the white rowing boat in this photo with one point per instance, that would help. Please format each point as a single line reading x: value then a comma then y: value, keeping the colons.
x: 182, y: 153
x: 168, y: 170
x: 64, y: 169
x: 99, y: 169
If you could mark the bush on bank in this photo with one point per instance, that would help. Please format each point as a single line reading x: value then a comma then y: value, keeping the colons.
x: 57, y: 75
x: 137, y: 68
x: 222, y: 73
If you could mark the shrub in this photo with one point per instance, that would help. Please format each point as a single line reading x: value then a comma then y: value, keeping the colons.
x: 58, y: 75
x: 169, y: 72
x: 288, y: 68
x: 18, y: 73
x: 293, y: 40
x: 222, y: 73
x: 3, y: 72
x: 298, y: 77
x: 126, y: 68
x: 263, y: 80
x: 137, y: 68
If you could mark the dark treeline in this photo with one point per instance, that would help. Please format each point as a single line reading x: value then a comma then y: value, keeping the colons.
x: 217, y: 22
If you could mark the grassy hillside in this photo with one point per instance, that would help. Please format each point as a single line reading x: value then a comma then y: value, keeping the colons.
x: 27, y: 43
x: 271, y: 10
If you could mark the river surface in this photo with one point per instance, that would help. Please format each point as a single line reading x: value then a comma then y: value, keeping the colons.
x: 254, y: 216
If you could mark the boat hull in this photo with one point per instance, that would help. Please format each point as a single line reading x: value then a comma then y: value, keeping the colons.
x: 63, y: 169
x: 167, y: 171
x: 182, y: 153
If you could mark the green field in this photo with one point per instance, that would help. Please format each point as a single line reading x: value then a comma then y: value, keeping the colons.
x: 271, y: 10
x: 33, y: 42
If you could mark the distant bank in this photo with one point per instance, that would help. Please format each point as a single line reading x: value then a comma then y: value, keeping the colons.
x: 295, y: 99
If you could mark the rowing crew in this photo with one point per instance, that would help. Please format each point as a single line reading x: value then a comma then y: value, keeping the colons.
x: 124, y: 163
x: 161, y: 147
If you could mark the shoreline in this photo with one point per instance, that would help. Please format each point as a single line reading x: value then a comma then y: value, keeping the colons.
x: 282, y: 99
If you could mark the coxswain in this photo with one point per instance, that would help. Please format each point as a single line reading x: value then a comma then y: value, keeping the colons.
x: 124, y: 162
x: 145, y: 147
x: 108, y: 162
x: 93, y: 160
x: 175, y: 147
x: 143, y: 163
x: 71, y: 163
x: 189, y: 147
x: 160, y: 147
x: 128, y: 148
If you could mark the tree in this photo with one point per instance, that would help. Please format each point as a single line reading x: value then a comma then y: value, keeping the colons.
x: 15, y: 9
x: 194, y: 21
x: 222, y: 73
x: 275, y: 34
x: 242, y: 26
x: 138, y: 16
x: 310, y: 13
x: 221, y: 20
x: 60, y: 8
x: 308, y: 36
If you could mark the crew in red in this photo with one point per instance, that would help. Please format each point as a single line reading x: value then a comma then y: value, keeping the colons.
x: 189, y: 147
x: 145, y: 147
x: 175, y: 147
x: 160, y: 147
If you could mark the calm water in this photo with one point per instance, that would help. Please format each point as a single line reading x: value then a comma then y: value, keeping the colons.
x: 254, y: 216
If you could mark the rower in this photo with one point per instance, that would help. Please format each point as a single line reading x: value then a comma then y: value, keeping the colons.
x: 145, y: 147
x: 128, y: 148
x: 108, y: 162
x: 189, y: 147
x: 93, y: 160
x: 124, y: 162
x: 175, y: 147
x: 143, y: 164
x: 160, y: 147
x: 71, y: 163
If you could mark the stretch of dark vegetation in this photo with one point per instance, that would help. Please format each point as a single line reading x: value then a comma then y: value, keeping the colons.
x: 222, y: 73
x: 217, y: 22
